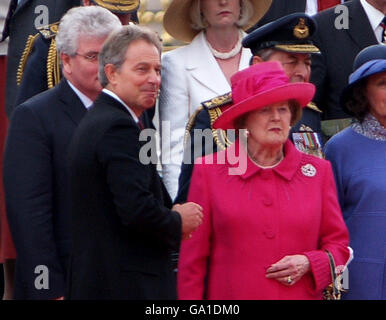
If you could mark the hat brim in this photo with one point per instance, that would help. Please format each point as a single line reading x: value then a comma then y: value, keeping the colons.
x: 177, y: 18
x: 300, y: 92
x: 297, y: 48
x: 347, y: 91
x: 119, y: 7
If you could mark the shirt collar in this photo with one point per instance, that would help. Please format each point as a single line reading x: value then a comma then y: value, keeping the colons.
x: 370, y: 128
x: 286, y: 169
x: 87, y: 102
x: 113, y: 95
x: 375, y: 16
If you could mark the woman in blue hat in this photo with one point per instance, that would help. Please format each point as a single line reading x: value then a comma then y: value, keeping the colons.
x: 358, y: 157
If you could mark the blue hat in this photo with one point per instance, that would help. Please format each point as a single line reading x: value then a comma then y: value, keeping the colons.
x: 366, y: 70
x: 377, y: 51
x: 291, y: 33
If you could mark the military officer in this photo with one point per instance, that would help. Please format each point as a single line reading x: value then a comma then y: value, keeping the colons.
x: 39, y: 65
x: 287, y: 40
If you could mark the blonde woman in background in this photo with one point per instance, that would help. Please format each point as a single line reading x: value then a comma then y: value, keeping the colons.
x: 202, y: 69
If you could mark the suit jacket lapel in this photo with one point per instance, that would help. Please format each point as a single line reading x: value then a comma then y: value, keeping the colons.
x: 21, y: 5
x: 203, y: 67
x: 70, y: 102
x: 106, y: 99
x: 359, y: 26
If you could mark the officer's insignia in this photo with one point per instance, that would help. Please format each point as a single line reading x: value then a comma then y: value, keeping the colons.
x: 308, y: 170
x: 314, y: 107
x: 308, y: 142
x: 301, y: 30
x: 218, y: 101
x: 49, y: 31
x: 304, y: 128
x: 54, y: 28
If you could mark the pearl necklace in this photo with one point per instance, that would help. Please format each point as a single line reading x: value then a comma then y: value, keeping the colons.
x: 230, y: 54
x: 266, y: 167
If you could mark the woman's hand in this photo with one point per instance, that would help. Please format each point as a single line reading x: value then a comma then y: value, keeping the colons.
x: 289, y: 270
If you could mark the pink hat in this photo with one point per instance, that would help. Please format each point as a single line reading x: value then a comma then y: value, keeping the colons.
x: 261, y: 85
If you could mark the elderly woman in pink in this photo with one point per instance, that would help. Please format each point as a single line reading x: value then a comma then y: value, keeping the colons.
x: 266, y: 231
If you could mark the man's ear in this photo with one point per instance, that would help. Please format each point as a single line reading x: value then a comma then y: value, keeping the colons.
x: 110, y: 72
x: 256, y: 59
x: 86, y: 2
x: 66, y: 63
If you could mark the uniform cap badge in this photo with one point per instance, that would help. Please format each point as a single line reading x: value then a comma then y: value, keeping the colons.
x: 301, y: 30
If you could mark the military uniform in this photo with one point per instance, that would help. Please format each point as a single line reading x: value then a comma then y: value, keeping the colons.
x: 290, y: 34
x: 39, y: 66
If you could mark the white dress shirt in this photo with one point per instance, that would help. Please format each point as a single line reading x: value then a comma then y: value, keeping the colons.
x: 87, y: 102
x: 375, y: 17
x: 312, y: 7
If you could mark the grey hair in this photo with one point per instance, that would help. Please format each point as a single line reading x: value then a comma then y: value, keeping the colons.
x: 264, y: 54
x: 89, y: 21
x: 115, y: 48
x: 197, y: 19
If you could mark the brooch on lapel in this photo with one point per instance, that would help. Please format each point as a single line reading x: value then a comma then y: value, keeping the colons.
x: 308, y: 170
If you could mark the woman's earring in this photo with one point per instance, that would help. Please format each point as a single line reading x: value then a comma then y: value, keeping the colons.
x: 246, y: 133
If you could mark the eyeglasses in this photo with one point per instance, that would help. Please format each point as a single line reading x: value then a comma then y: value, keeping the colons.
x: 89, y: 56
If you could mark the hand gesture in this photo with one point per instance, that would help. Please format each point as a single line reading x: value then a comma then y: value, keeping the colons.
x: 191, y: 216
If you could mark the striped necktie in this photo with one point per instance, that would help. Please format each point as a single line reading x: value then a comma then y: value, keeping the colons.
x: 325, y: 4
x: 140, y: 124
x: 383, y: 25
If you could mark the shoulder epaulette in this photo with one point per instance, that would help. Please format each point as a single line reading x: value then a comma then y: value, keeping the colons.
x: 218, y: 101
x: 313, y: 106
x: 49, y: 31
x: 219, y: 135
x: 53, y: 65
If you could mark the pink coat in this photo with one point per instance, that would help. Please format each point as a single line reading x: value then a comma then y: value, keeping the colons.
x: 253, y: 220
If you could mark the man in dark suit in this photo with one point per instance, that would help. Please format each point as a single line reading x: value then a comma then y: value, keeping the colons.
x: 281, y: 8
x: 21, y: 24
x: 340, y: 38
x: 35, y: 177
x: 116, y: 194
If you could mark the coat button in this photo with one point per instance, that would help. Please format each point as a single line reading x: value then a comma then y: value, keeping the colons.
x: 269, y: 233
x: 267, y: 202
